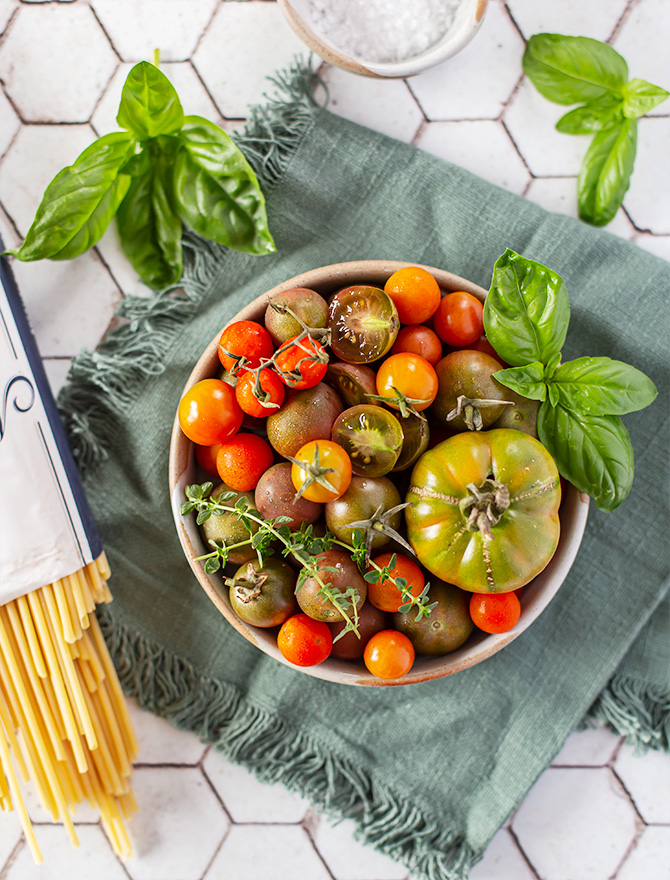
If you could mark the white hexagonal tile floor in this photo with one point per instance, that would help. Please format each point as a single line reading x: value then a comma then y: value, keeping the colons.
x: 63, y: 63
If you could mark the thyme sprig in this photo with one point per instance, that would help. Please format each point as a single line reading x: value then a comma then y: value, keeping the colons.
x: 304, y: 546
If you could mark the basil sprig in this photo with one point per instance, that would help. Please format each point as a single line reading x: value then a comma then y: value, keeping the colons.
x: 579, y: 70
x: 166, y: 169
x: 526, y: 317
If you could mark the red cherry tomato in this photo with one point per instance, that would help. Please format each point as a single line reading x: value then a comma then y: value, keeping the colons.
x: 421, y: 340
x: 307, y: 358
x: 415, y: 292
x: 495, y: 612
x: 482, y: 344
x: 389, y: 654
x: 206, y: 458
x: 272, y: 389
x: 459, y: 319
x: 244, y: 344
x: 303, y: 641
x: 242, y: 461
x: 209, y: 413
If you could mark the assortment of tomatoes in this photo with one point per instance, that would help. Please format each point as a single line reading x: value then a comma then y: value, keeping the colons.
x: 330, y: 410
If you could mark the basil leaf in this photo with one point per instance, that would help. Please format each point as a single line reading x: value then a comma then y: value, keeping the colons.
x: 605, y: 173
x: 599, y: 386
x: 149, y: 227
x: 640, y: 97
x: 572, y: 70
x: 216, y: 191
x: 80, y: 201
x: 149, y: 104
x: 527, y: 381
x: 603, y: 112
x: 593, y: 453
x: 526, y: 312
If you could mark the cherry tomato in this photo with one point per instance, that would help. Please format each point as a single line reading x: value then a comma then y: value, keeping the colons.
x: 410, y: 375
x: 389, y: 654
x: 385, y: 595
x: 242, y: 461
x: 482, y: 344
x: 206, y: 458
x: 316, y: 459
x: 273, y: 389
x: 459, y: 319
x: 209, y: 413
x: 421, y: 340
x: 415, y: 292
x: 303, y: 364
x: 303, y: 641
x: 244, y: 339
x: 363, y: 323
x: 495, y: 612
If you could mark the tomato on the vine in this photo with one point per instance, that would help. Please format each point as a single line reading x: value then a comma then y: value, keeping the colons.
x: 243, y: 345
x: 321, y: 471
x: 411, y: 376
x: 302, y: 364
x: 303, y: 641
x: 384, y: 594
x: 209, y: 413
x: 242, y: 461
x: 421, y: 340
x: 206, y: 458
x: 459, y: 319
x: 271, y: 395
x: 389, y: 654
x: 415, y: 292
x: 495, y: 612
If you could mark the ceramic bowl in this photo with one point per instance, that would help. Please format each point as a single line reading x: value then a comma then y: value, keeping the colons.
x: 466, y: 23
x: 182, y: 472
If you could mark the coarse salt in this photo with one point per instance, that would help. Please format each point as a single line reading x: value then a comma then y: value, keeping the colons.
x: 383, y: 30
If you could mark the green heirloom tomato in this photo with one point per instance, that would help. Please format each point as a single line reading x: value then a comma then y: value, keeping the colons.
x: 484, y: 512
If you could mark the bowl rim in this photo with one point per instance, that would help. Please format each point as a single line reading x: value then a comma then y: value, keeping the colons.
x: 537, y: 594
x: 450, y: 43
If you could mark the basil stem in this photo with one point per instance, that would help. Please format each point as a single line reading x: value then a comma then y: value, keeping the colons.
x: 149, y: 104
x: 604, y: 176
x: 593, y: 452
x: 216, y: 191
x: 80, y: 201
x: 526, y: 313
x: 572, y: 70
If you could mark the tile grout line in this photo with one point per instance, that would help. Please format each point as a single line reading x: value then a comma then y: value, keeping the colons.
x: 13, y: 856
x: 522, y: 851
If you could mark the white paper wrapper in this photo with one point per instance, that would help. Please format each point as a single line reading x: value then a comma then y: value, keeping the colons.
x: 46, y: 528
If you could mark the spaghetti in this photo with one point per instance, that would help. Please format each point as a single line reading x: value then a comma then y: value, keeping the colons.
x: 63, y: 719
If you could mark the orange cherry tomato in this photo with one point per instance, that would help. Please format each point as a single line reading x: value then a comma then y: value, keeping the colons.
x: 385, y: 595
x: 421, y: 340
x: 415, y: 292
x: 332, y: 466
x: 244, y: 340
x: 389, y: 654
x: 242, y: 461
x: 208, y: 412
x: 206, y: 458
x: 412, y: 376
x: 495, y: 612
x: 272, y: 388
x: 307, y: 358
x: 303, y: 641
x: 459, y: 319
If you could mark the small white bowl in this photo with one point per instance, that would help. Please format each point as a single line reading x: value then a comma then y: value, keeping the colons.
x: 466, y: 23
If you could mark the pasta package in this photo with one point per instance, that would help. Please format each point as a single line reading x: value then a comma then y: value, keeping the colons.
x: 64, y: 723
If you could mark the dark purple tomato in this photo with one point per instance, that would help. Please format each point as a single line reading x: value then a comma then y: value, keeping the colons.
x: 370, y: 621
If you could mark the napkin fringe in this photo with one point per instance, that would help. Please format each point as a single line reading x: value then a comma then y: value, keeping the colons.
x: 102, y: 384
x: 169, y: 686
x: 638, y: 710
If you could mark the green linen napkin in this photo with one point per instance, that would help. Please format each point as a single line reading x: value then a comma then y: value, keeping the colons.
x: 429, y: 772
